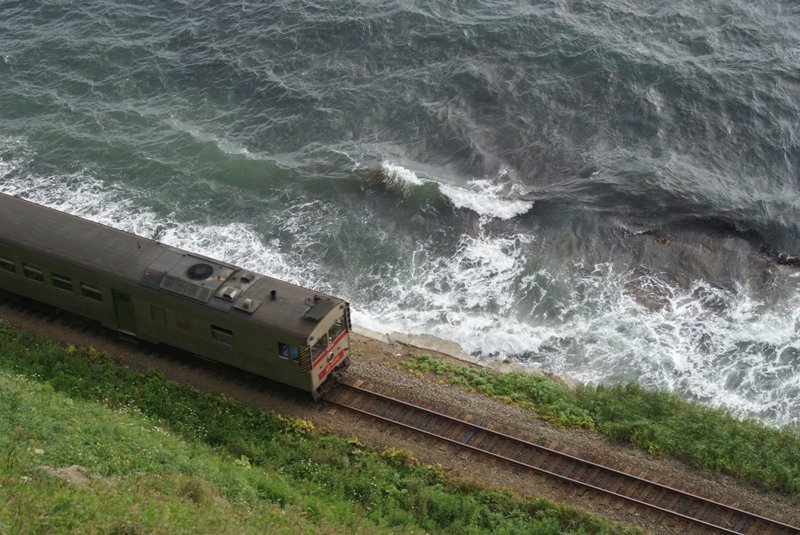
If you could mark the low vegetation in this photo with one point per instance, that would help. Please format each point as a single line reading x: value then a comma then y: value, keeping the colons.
x: 657, y: 421
x: 89, y: 446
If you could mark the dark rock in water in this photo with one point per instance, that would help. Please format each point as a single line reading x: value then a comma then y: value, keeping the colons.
x: 785, y: 260
x: 711, y: 249
x: 650, y: 296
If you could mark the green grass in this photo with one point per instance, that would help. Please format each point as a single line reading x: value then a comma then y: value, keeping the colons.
x: 141, y: 478
x: 164, y: 458
x: 657, y: 421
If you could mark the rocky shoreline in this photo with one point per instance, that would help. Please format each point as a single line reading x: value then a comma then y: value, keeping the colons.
x: 422, y: 343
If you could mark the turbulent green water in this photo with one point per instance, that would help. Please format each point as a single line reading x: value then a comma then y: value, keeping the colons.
x: 607, y: 189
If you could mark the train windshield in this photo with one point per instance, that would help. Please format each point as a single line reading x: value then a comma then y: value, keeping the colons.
x: 337, y: 329
x: 320, y: 346
x: 329, y: 338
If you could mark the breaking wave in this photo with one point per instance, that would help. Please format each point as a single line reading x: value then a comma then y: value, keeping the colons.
x: 484, y: 197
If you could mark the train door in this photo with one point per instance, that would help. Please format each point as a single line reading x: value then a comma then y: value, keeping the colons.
x: 126, y: 316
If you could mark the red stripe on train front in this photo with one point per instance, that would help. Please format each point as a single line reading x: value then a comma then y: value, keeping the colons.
x: 331, y: 365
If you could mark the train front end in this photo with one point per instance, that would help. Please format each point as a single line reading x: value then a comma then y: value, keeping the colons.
x: 329, y: 343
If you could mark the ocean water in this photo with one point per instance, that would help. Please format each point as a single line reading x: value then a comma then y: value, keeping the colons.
x: 606, y: 189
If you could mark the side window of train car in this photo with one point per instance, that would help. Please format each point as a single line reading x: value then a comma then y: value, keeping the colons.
x: 7, y: 265
x: 289, y: 352
x: 33, y: 273
x: 91, y: 292
x: 62, y: 282
x: 221, y: 334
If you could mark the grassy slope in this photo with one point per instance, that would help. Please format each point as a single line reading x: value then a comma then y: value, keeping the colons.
x: 659, y: 422
x: 142, y: 478
x: 164, y: 458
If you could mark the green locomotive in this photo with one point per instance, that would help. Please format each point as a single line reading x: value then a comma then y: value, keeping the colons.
x: 163, y: 294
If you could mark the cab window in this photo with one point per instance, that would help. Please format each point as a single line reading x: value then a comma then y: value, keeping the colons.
x: 320, y: 346
x: 337, y: 329
x: 7, y: 265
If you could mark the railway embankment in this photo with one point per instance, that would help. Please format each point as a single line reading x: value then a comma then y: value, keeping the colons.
x: 87, y: 445
x: 657, y: 422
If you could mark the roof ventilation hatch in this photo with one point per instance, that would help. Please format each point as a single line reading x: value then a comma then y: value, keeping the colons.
x: 229, y: 293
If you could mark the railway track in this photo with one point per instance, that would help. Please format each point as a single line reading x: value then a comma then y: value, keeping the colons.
x: 675, y: 505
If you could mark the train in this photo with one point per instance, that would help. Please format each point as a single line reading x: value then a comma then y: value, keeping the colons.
x: 165, y: 295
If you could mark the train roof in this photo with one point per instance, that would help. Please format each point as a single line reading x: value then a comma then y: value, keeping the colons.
x: 137, y: 260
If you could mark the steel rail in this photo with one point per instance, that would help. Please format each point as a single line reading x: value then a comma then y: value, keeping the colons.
x: 695, y: 499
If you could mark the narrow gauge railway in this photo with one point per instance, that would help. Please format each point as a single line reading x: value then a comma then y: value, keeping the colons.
x: 703, y: 515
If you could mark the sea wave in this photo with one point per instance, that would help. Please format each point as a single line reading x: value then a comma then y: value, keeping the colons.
x: 484, y: 197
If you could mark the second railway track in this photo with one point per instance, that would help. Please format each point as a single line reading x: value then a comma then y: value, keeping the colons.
x: 703, y: 514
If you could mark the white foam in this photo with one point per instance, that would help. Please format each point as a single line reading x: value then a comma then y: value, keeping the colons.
x: 6, y: 167
x: 724, y: 348
x: 13, y: 154
x: 399, y: 178
x: 450, y: 297
x: 482, y: 196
